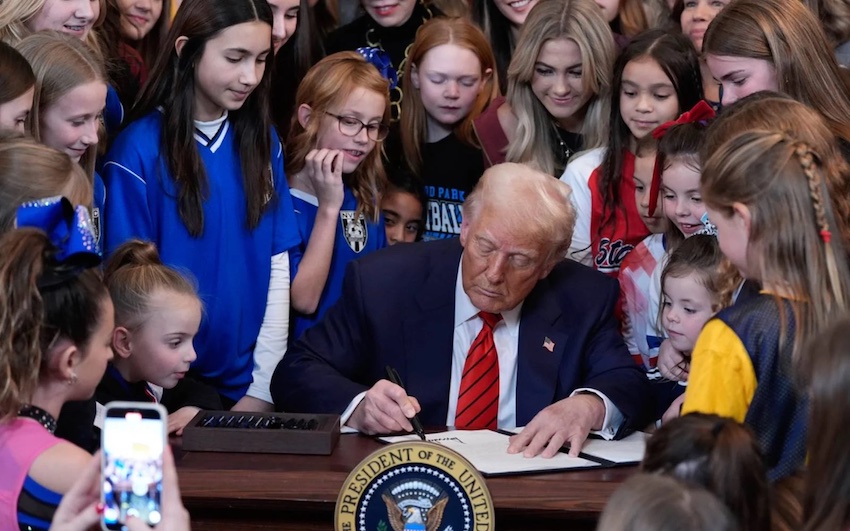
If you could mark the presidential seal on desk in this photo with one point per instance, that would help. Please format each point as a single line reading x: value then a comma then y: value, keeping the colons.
x: 414, y: 486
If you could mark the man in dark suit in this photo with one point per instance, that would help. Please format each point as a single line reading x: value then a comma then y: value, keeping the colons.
x: 561, y: 367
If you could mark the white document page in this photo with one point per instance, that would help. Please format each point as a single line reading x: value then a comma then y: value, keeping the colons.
x: 488, y: 452
x: 627, y: 450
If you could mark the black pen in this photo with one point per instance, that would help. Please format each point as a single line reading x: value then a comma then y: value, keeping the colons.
x: 392, y: 374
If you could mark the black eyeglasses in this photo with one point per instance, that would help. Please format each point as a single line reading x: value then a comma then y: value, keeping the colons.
x: 350, y: 126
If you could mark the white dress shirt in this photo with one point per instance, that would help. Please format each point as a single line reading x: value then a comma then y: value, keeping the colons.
x: 506, y: 338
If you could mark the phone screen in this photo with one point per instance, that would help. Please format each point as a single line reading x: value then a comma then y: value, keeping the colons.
x: 132, y: 445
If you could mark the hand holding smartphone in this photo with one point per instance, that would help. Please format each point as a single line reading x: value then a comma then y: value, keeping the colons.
x: 80, y: 508
x: 133, y: 439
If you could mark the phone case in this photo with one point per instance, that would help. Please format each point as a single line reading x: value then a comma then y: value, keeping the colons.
x: 131, y: 464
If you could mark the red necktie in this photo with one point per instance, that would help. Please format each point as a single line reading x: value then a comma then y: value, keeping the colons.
x: 478, y: 398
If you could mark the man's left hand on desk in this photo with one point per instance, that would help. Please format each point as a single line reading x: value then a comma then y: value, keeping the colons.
x: 567, y: 421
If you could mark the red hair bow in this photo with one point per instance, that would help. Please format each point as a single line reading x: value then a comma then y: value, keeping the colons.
x: 701, y: 112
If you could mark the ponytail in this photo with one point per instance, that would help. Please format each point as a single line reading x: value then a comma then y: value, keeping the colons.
x: 33, y: 318
x: 130, y: 254
x: 21, y: 311
x: 133, y: 273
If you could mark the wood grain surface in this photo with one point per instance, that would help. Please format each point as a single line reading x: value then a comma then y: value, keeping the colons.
x: 237, y: 491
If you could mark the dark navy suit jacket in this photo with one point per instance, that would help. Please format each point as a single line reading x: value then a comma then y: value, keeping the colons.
x: 397, y: 308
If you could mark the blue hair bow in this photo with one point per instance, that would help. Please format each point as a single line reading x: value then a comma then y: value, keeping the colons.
x: 380, y: 60
x: 70, y: 231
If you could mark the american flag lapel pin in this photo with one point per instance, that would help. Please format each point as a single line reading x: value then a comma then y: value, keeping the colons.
x: 548, y: 344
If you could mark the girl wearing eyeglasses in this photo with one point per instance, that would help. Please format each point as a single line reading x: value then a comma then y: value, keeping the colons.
x: 336, y: 177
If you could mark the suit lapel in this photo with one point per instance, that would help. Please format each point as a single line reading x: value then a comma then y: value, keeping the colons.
x: 537, y: 367
x: 428, y: 338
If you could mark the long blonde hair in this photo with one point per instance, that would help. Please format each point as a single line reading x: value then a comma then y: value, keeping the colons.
x: 794, y: 241
x: 60, y: 63
x: 436, y: 32
x: 14, y: 15
x: 787, y: 35
x: 535, y: 140
x: 329, y: 83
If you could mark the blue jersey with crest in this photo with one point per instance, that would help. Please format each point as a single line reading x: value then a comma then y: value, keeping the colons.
x: 231, y: 263
x: 355, y: 237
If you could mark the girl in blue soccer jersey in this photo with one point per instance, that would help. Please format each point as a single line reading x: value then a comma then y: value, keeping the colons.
x: 199, y: 172
x: 336, y: 175
x: 68, y: 103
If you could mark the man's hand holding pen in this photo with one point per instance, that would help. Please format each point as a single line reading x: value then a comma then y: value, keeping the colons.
x: 386, y: 408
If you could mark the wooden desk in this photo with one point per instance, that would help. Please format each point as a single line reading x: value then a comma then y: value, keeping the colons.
x: 226, y: 491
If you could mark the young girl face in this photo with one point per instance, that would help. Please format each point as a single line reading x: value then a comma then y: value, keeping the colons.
x: 71, y: 123
x: 680, y: 194
x: 402, y: 216
x: 647, y: 97
x: 655, y: 223
x: 74, y: 17
x: 138, y: 17
x: 339, y: 122
x: 687, y: 306
x: 285, y: 14
x: 231, y: 67
x: 161, y: 348
x: 610, y: 8
x: 741, y: 76
x: 696, y: 17
x: 557, y: 82
x: 389, y: 13
x: 14, y: 113
x: 449, y: 79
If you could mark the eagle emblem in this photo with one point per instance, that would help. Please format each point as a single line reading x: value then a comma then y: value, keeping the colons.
x: 414, y: 486
x: 415, y: 506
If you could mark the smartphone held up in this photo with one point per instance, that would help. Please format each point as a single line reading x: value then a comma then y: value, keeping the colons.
x: 133, y: 441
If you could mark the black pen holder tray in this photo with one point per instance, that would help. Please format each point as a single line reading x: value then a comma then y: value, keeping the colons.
x: 264, y: 433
